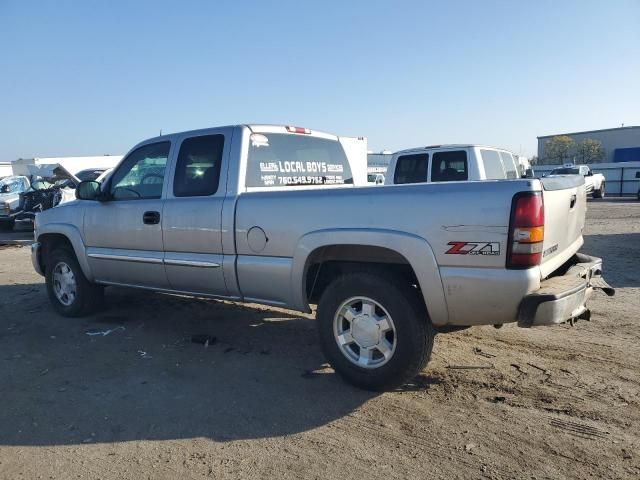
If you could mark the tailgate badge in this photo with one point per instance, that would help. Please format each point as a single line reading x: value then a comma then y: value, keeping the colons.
x: 473, y: 248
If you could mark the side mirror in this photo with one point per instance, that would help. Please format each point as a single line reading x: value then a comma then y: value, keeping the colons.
x: 528, y: 173
x: 544, y: 175
x: 88, y: 190
x: 637, y: 174
x: 589, y: 173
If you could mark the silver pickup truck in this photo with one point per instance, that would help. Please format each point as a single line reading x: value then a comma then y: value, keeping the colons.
x: 269, y: 214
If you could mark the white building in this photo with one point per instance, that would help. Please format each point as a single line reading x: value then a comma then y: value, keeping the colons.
x: 5, y: 169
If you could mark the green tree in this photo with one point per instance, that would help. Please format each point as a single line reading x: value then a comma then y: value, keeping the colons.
x: 558, y: 150
x: 590, y: 151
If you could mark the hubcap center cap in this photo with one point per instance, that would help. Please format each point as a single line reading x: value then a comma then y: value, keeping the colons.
x: 365, y: 331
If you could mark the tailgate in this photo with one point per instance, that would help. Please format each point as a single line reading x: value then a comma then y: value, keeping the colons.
x: 565, y: 207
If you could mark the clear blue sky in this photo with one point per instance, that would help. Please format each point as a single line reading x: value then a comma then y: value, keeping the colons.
x: 95, y: 77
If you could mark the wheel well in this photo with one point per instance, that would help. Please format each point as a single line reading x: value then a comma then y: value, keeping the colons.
x: 49, y: 242
x: 326, y: 263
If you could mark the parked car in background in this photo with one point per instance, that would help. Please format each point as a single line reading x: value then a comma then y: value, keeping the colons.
x: 68, y: 187
x: 10, y: 190
x: 55, y: 185
x: 595, y: 182
x: 269, y: 214
x: 375, y: 179
x: 451, y: 163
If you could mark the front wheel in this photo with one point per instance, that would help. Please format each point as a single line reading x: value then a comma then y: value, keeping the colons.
x: 70, y: 293
x: 599, y: 193
x: 374, y: 330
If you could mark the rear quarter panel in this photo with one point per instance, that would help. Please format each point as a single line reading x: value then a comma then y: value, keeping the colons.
x: 464, y: 223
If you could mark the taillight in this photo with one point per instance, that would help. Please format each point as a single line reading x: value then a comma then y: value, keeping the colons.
x: 526, y: 230
x: 298, y: 130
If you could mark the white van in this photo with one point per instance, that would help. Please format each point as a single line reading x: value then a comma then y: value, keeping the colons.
x: 451, y: 163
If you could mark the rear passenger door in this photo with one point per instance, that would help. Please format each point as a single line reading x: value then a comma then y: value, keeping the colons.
x: 192, y: 219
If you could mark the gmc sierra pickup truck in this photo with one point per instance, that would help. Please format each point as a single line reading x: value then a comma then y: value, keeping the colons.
x: 269, y: 214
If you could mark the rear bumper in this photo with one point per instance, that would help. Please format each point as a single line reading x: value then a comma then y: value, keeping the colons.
x: 564, y: 298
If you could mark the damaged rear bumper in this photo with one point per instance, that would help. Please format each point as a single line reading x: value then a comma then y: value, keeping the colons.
x: 564, y: 298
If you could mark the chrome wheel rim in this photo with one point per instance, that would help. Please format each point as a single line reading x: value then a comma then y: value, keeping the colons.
x: 64, y: 284
x: 364, y: 332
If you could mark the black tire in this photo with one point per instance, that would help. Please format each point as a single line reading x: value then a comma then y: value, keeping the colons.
x: 7, y: 225
x: 599, y: 193
x: 88, y: 296
x: 415, y: 333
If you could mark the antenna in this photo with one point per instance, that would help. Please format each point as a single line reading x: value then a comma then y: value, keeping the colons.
x: 160, y: 132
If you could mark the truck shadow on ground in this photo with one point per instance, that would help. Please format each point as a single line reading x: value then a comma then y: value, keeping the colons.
x: 64, y: 382
x: 620, y: 253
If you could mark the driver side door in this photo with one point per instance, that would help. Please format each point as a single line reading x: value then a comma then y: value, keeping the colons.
x: 123, y: 234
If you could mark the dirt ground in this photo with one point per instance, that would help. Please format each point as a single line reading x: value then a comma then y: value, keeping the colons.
x: 145, y: 402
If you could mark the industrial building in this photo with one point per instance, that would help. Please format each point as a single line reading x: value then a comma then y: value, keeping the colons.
x: 620, y: 144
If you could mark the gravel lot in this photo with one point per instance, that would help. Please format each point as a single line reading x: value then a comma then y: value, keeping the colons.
x: 146, y: 402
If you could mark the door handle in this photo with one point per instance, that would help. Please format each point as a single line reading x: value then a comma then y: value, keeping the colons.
x: 151, y: 218
x: 572, y: 202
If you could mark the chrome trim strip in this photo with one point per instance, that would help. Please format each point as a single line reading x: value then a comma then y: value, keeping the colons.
x: 154, y: 260
x: 191, y: 263
x: 125, y: 258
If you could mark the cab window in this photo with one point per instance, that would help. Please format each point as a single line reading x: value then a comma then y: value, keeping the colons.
x: 198, y: 166
x: 411, y: 168
x: 509, y: 165
x: 141, y: 174
x: 449, y: 166
x: 493, y: 169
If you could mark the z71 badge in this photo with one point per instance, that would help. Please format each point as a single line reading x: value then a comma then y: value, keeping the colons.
x: 473, y: 248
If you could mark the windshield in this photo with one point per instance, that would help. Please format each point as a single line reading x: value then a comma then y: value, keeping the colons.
x: 41, y: 185
x: 12, y: 185
x: 277, y: 159
x: 565, y: 171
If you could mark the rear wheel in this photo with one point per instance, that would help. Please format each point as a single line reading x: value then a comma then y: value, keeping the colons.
x: 374, y: 330
x: 599, y: 193
x: 70, y: 293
